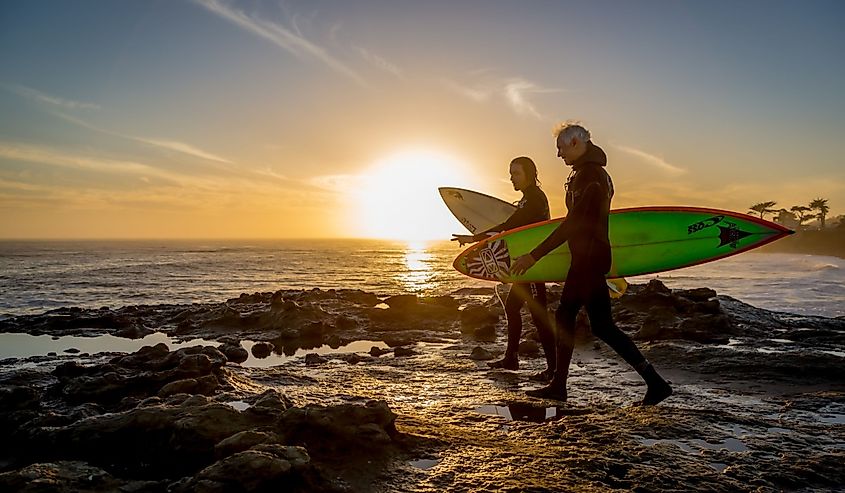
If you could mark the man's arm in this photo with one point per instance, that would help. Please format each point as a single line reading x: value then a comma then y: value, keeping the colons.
x: 584, y: 214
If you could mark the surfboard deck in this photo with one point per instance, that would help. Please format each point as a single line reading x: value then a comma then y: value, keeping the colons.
x: 476, y: 211
x: 644, y: 240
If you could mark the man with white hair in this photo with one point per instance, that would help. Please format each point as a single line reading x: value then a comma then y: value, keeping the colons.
x: 589, y: 190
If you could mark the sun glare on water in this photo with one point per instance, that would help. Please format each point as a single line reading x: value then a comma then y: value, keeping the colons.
x: 398, y: 197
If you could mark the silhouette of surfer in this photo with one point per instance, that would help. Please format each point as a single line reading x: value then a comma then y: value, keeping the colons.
x: 532, y: 208
x: 589, y: 191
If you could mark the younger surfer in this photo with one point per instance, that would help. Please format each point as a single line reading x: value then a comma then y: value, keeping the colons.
x: 589, y: 190
x: 534, y: 207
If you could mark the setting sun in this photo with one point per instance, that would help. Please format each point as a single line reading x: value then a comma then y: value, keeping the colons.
x: 398, y: 198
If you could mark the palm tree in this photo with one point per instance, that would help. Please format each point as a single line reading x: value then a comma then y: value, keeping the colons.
x: 763, y: 208
x: 821, y: 206
x: 802, y: 212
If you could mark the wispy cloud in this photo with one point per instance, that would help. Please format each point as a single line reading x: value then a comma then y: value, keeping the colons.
x: 289, y: 40
x: 380, y: 63
x: 516, y: 92
x: 651, y: 159
x: 45, y: 155
x: 41, y: 97
x: 183, y: 148
x: 170, y: 145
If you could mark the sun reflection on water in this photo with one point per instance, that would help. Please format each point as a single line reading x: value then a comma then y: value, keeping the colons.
x: 418, y: 275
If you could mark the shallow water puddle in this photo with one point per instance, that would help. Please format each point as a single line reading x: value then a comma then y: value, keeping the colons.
x: 17, y: 345
x: 275, y: 359
x: 519, y: 411
x: 239, y: 405
x: 424, y: 463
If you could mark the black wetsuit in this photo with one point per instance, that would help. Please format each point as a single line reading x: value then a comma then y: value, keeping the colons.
x: 533, y: 208
x: 589, y: 191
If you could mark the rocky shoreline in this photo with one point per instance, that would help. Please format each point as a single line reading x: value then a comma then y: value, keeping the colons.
x: 759, y: 400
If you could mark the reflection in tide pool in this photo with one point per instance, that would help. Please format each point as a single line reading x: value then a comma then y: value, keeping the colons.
x: 519, y: 411
x: 14, y: 345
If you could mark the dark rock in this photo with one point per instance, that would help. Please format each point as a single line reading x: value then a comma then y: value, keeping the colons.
x: 14, y: 398
x: 314, y: 359
x: 242, y: 441
x: 485, y: 333
x: 251, y: 470
x: 403, y: 351
x: 402, y: 301
x: 376, y: 351
x: 473, y: 317
x: 235, y: 354
x: 345, y: 323
x: 480, y: 354
x: 697, y: 295
x: 204, y: 385
x: 262, y: 349
x: 529, y: 347
x: 58, y: 476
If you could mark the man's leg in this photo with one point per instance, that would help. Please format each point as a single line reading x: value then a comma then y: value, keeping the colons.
x: 517, y: 296
x: 603, y: 327
x: 565, y: 317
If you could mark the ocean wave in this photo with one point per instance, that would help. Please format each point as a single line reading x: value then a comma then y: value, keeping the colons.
x: 822, y: 267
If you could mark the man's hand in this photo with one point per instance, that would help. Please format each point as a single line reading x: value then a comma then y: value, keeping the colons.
x: 463, y: 239
x: 522, y: 264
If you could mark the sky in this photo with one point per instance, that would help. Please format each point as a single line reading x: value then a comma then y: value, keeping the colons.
x: 312, y: 119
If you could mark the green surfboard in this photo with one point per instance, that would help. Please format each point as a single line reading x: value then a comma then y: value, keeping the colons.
x: 643, y: 240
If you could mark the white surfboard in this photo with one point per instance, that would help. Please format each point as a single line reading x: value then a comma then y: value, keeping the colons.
x: 476, y: 211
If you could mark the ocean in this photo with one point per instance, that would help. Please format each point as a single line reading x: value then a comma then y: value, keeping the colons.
x: 36, y: 276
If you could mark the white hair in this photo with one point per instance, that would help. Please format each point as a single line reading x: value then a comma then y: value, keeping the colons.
x: 570, y: 130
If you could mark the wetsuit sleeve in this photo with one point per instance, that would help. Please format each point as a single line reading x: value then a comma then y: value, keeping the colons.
x: 583, y: 216
x: 527, y: 214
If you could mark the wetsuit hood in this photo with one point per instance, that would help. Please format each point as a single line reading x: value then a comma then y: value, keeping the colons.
x: 593, y: 155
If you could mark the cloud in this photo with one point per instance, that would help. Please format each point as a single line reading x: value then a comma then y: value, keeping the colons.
x: 41, y: 97
x: 181, y: 147
x: 170, y: 145
x: 52, y: 157
x: 289, y: 40
x: 651, y: 159
x: 380, y: 62
x: 516, y: 92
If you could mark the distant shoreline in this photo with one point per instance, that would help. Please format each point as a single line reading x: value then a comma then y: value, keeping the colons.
x: 830, y: 242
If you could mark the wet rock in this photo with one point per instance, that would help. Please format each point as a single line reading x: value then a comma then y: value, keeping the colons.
x: 485, y: 333
x: 341, y: 430
x: 272, y: 400
x: 697, y: 295
x: 476, y: 316
x: 376, y: 351
x: 72, y: 350
x: 402, y: 301
x: 14, y: 398
x: 345, y: 323
x: 133, y: 331
x: 529, y: 348
x: 204, y: 385
x: 142, y: 373
x: 250, y: 470
x: 58, y: 476
x: 262, y: 350
x: 400, y: 352
x: 242, y: 441
x: 480, y: 354
x: 314, y: 359
x: 234, y: 353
